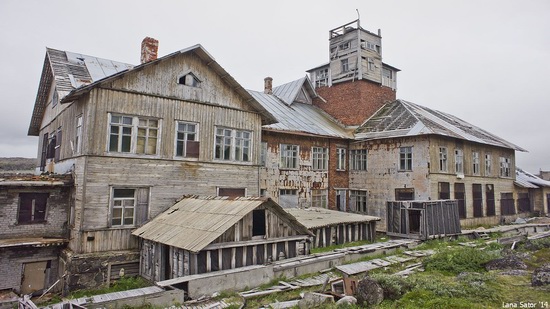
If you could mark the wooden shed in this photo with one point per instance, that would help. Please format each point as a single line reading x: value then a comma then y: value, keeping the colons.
x: 423, y: 219
x: 332, y: 227
x: 204, y: 234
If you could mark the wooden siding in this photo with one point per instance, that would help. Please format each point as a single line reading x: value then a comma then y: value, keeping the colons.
x: 343, y: 233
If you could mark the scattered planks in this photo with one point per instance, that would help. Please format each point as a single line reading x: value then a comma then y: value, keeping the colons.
x: 362, y: 267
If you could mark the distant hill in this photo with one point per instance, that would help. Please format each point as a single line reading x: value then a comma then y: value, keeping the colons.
x: 17, y: 164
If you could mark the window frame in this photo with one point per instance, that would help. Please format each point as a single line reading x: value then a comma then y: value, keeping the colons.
x: 459, y: 161
x: 341, y: 159
x: 236, y: 144
x: 319, y: 158
x: 344, y: 65
x: 134, y: 135
x: 289, y: 158
x: 319, y: 198
x: 505, y: 167
x: 38, y: 204
x: 476, y: 166
x: 358, y: 159
x: 405, y: 158
x: 78, y: 135
x: 358, y: 201
x: 488, y: 164
x: 185, y: 141
x: 443, y: 158
x: 122, y: 207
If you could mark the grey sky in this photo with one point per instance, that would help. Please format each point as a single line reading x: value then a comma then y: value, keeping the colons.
x: 483, y: 61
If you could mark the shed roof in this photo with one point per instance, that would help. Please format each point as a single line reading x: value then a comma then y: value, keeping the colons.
x: 402, y: 118
x: 195, y: 222
x: 316, y: 217
x: 527, y: 180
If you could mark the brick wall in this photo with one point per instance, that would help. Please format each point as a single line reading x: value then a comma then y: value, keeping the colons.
x: 353, y: 102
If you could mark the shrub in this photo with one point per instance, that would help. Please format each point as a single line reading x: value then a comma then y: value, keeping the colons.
x: 394, y: 286
x: 458, y: 260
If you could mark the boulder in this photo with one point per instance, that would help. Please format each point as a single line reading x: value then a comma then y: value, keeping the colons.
x: 511, y: 261
x: 369, y: 292
x: 314, y: 300
x: 541, y: 276
x: 346, y: 301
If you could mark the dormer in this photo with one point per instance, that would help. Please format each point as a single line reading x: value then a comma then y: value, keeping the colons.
x: 189, y: 79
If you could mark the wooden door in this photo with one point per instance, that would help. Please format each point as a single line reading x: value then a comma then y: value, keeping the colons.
x: 34, y: 277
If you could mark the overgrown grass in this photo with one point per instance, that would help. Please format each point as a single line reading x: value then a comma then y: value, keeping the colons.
x: 334, y: 247
x: 123, y: 284
x: 459, y: 259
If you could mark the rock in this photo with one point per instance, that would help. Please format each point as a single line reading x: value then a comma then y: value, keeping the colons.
x: 520, y: 221
x: 314, y: 300
x: 541, y: 276
x: 369, y: 292
x: 508, y: 262
x: 515, y: 272
x: 346, y: 301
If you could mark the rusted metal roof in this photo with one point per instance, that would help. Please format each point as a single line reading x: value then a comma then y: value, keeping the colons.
x: 294, y: 117
x: 402, y: 118
x: 527, y: 180
x: 195, y: 222
x: 316, y: 217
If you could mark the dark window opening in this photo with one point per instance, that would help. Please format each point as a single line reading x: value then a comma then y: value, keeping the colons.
x: 490, y: 198
x: 507, y: 205
x: 460, y: 196
x: 189, y: 80
x: 32, y: 207
x: 405, y: 194
x: 232, y: 192
x: 414, y: 221
x: 444, y: 191
x: 44, y: 154
x: 478, y: 200
x: 524, y: 203
x: 258, y: 222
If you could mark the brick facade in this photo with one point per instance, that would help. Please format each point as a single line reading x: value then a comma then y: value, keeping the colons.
x: 353, y: 102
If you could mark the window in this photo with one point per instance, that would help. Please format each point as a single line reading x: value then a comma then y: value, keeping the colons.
x: 289, y: 156
x: 504, y: 167
x: 488, y: 165
x: 404, y: 194
x: 319, y: 198
x: 44, y: 153
x: 78, y: 135
x: 132, y: 134
x: 341, y: 200
x: 371, y: 46
x: 232, y: 145
x: 232, y: 192
x: 57, y: 145
x: 288, y: 198
x: 258, y: 222
x: 442, y: 159
x: 263, y: 154
x: 55, y: 98
x: 345, y: 65
x: 321, y: 78
x: 358, y: 201
x: 320, y: 158
x: 358, y: 159
x: 345, y: 45
x: 340, y: 159
x: 387, y: 74
x: 460, y: 196
x: 507, y: 205
x: 477, y: 196
x: 124, y: 203
x: 444, y: 191
x: 187, y: 144
x: 405, y: 158
x: 370, y: 64
x: 32, y: 207
x: 189, y: 79
x: 459, y: 161
x: 475, y: 163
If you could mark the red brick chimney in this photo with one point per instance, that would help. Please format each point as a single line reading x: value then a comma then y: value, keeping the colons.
x: 268, y: 85
x: 149, y: 49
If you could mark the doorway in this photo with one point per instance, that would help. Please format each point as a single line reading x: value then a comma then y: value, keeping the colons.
x: 34, y: 276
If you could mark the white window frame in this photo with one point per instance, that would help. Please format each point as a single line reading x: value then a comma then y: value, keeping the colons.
x: 124, y: 205
x: 443, y: 159
x: 504, y: 167
x: 475, y: 163
x: 488, y: 164
x: 134, y: 127
x: 459, y: 161
x: 186, y: 132
x: 238, y: 141
x: 78, y: 135
x: 319, y: 198
x: 405, y: 158
x: 319, y: 158
x: 341, y: 159
x: 289, y: 156
x: 358, y: 159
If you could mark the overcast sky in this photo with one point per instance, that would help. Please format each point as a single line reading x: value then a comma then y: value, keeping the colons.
x: 486, y: 62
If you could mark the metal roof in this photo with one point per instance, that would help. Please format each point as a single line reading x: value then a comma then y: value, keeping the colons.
x: 527, y: 180
x: 289, y: 91
x: 402, y: 118
x: 316, y: 217
x: 195, y: 222
x: 297, y: 117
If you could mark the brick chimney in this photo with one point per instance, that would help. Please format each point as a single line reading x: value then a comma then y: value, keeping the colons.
x: 149, y: 49
x: 268, y: 85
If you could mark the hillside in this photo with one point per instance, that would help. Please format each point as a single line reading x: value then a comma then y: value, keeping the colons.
x: 8, y: 165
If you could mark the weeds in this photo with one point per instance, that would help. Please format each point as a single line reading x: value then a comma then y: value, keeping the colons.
x: 458, y: 260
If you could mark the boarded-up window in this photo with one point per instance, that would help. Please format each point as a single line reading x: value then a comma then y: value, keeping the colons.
x: 232, y: 192
x: 524, y: 203
x: 460, y: 196
x: 490, y: 199
x: 404, y: 194
x: 44, y: 153
x: 507, y: 206
x: 32, y: 207
x: 258, y: 222
x: 444, y: 191
x: 477, y: 195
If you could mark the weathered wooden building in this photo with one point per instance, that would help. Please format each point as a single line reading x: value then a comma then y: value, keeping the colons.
x: 199, y: 235
x: 136, y: 138
x: 34, y: 211
x: 532, y: 194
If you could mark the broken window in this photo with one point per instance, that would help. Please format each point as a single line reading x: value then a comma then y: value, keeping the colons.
x: 341, y: 200
x: 78, y: 135
x: 459, y: 161
x: 187, y: 144
x: 504, y: 167
x: 358, y: 159
x: 319, y: 198
x: 189, y: 79
x: 345, y: 45
x: 232, y: 192
x: 320, y: 158
x: 258, y: 222
x: 475, y: 163
x: 289, y: 156
x: 32, y: 208
x: 57, y: 147
x: 345, y: 65
x: 321, y: 78
x: 405, y: 158
x: 340, y: 159
x: 133, y: 134
x: 442, y: 159
x: 404, y: 194
x: 358, y: 201
x: 232, y: 145
x: 488, y: 164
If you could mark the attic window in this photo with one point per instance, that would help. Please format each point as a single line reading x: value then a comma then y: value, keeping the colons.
x: 189, y: 79
x: 55, y: 98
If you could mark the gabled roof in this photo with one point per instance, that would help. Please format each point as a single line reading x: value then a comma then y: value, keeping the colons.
x: 77, y: 74
x: 401, y: 118
x: 195, y: 222
x: 316, y: 217
x: 288, y: 92
x: 297, y: 117
x: 527, y: 180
